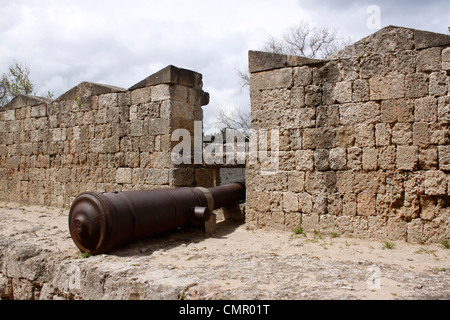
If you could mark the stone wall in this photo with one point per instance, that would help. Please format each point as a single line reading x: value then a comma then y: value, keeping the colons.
x: 100, y: 138
x: 364, y: 138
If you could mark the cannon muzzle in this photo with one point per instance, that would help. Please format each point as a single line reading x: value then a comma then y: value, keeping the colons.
x: 99, y: 222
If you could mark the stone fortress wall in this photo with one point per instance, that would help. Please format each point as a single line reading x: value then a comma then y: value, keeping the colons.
x: 364, y: 138
x: 101, y: 138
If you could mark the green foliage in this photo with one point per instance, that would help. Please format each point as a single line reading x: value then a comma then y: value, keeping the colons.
x: 298, y: 230
x: 86, y: 255
x: 388, y: 245
x: 14, y: 82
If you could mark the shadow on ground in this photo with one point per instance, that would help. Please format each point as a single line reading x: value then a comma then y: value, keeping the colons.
x: 170, y: 240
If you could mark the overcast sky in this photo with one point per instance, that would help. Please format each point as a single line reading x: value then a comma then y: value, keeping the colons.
x: 65, y: 42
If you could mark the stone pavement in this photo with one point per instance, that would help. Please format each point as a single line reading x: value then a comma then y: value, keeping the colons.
x: 38, y: 260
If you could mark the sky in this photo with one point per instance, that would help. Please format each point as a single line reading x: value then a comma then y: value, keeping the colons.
x: 66, y: 42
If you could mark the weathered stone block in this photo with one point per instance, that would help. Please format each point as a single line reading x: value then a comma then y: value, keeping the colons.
x: 155, y: 176
x: 305, y: 202
x: 435, y: 183
x: 428, y: 208
x: 361, y: 92
x: 397, y: 228
x: 158, y: 126
x: 143, y: 95
x: 405, y: 110
x: 438, y: 84
x: 304, y: 160
x: 402, y: 134
x: 382, y: 134
x: 320, y: 181
x: 297, y: 97
x: 261, y: 61
x: 163, y: 92
x: 421, y: 134
x: 313, y: 95
x: 405, y: 61
x: 181, y: 177
x: 302, y: 76
x: 349, y: 205
x: 321, y: 159
x: 296, y: 181
x: 345, y: 137
x: 444, y: 158
x: 389, y: 111
x: 273, y: 79
x: 334, y: 204
x: 328, y: 72
x: 354, y: 158
x: 407, y: 157
x: 388, y: 205
x: 364, y: 135
x: 416, y: 85
x: 439, y: 134
x: 338, y: 159
x: 446, y: 59
x: 429, y: 60
x: 291, y: 220
x: 327, y: 116
x: 345, y: 181
x: 339, y: 92
x: 358, y: 113
x: 137, y: 128
x: 372, y: 65
x: 319, y: 138
x: 39, y: 111
x: 290, y: 202
x: 369, y: 182
x: 426, y: 110
x: 366, y: 204
x: 111, y: 145
x: 299, y: 118
x: 310, y: 222
x: 9, y: 115
x: 387, y: 87
x: 414, y: 184
x: 370, y: 159
x: 124, y: 175
x: 428, y: 159
x: 444, y: 110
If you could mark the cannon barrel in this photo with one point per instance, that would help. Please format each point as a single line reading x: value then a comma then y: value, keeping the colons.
x: 99, y: 222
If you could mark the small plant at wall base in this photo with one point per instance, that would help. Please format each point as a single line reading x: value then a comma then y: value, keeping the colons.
x: 446, y: 244
x: 388, y: 245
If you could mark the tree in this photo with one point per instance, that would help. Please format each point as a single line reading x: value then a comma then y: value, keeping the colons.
x: 303, y: 40
x: 235, y: 119
x: 14, y: 82
x: 306, y: 41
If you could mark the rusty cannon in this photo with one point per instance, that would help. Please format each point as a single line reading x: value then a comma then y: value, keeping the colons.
x: 99, y: 222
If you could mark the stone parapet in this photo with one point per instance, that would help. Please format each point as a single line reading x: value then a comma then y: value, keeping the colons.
x: 97, y: 137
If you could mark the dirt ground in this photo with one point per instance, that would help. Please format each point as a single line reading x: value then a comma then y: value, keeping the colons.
x: 238, y: 263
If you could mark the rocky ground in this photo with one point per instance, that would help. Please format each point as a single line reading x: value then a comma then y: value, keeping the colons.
x: 38, y: 260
